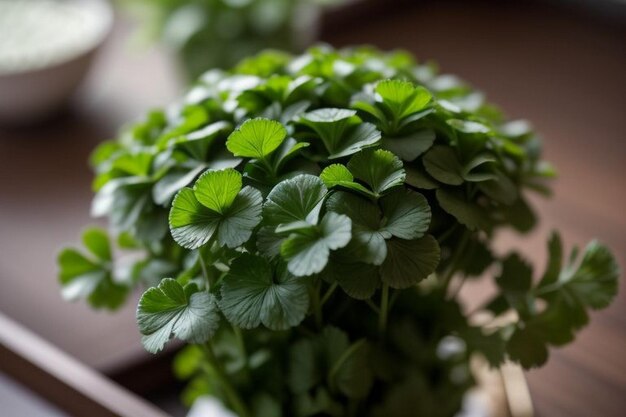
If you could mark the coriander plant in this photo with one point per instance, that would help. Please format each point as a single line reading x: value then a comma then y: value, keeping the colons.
x: 305, y: 225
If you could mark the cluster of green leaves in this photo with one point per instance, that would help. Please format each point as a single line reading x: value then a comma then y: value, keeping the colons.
x: 301, y: 220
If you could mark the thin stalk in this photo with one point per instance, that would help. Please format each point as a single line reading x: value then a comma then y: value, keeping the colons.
x: 373, y: 306
x: 393, y: 299
x: 452, y: 267
x: 231, y: 394
x: 205, y: 271
x: 548, y: 288
x: 241, y: 344
x: 328, y: 293
x: 445, y: 235
x: 342, y: 359
x: 202, y: 252
x: 384, y: 309
x: 316, y: 305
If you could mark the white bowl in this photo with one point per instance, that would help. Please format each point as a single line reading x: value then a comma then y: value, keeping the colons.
x: 38, y: 83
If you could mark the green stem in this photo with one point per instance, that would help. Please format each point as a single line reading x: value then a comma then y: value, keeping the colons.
x: 269, y: 167
x: 548, y: 288
x: 316, y: 305
x: 373, y: 306
x: 342, y: 359
x: 231, y: 394
x: 452, y: 266
x: 202, y: 252
x: 240, y: 342
x: 205, y: 271
x: 384, y: 307
x: 445, y: 235
x: 329, y: 293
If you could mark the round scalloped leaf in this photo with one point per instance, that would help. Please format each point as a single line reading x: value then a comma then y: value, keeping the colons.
x: 192, y: 224
x: 467, y: 213
x: 408, y: 214
x: 256, y: 138
x: 409, y: 261
x: 254, y: 292
x: 402, y: 97
x: 412, y: 145
x: 170, y: 310
x: 380, y: 169
x: 368, y: 240
x: 442, y: 163
x: 217, y: 190
x: 296, y: 199
x: 307, y: 251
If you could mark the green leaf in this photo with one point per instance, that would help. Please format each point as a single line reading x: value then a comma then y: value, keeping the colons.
x: 216, y: 190
x: 254, y: 292
x: 467, y: 213
x: 520, y: 215
x: 476, y: 258
x: 136, y: 164
x: 288, y: 150
x: 491, y: 346
x: 380, y: 169
x: 403, y: 98
x: 241, y: 218
x: 90, y: 278
x: 515, y: 280
x: 408, y: 214
x: 442, y: 163
x: 197, y: 143
x: 409, y: 261
x: 346, y: 366
x: 410, y: 146
x: 193, y: 224
x: 170, y: 310
x: 528, y: 347
x: 172, y: 182
x: 307, y: 253
x: 256, y: 138
x: 469, y: 127
x: 500, y: 188
x: 97, y: 241
x: 555, y: 261
x: 358, y: 279
x: 363, y: 136
x: 567, y: 295
x: 418, y: 178
x: 296, y: 199
x: 303, y: 372
x: 593, y: 282
x: 337, y: 175
x: 328, y: 116
x: 341, y: 131
x: 368, y: 240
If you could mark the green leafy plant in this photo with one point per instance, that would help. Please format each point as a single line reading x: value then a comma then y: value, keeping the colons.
x: 305, y: 225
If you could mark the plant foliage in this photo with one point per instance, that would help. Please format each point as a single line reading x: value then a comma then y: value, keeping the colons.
x: 315, y: 217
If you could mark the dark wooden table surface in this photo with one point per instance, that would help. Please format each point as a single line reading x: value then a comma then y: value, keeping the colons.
x: 564, y: 71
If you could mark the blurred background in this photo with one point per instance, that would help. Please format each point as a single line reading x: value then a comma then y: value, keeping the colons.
x: 559, y: 63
